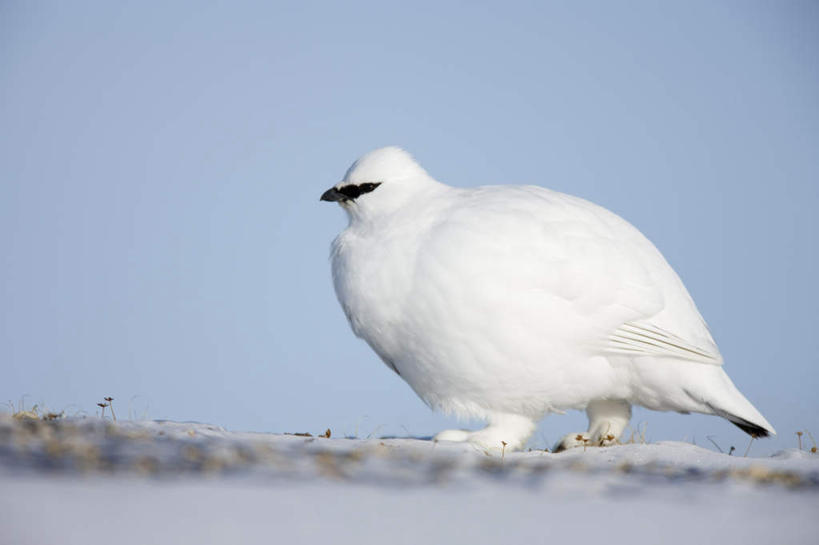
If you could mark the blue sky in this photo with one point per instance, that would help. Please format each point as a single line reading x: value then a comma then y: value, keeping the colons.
x: 162, y: 240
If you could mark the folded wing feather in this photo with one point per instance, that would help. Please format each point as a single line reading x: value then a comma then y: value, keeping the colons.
x: 645, y: 339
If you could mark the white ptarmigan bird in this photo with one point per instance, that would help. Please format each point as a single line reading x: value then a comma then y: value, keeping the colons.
x: 506, y: 303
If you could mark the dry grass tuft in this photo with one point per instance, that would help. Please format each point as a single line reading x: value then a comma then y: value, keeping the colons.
x: 34, y: 413
x: 812, y: 440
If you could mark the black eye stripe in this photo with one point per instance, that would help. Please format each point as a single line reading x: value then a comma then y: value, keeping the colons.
x: 354, y: 191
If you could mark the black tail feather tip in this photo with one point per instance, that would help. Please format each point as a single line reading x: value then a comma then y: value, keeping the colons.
x: 747, y: 426
x: 751, y: 429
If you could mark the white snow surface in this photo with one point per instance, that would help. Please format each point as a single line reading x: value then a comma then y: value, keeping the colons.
x: 91, y: 481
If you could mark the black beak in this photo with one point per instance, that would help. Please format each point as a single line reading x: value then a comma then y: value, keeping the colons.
x: 332, y: 195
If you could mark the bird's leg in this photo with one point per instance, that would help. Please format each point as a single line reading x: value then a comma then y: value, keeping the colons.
x: 505, y: 433
x: 607, y: 420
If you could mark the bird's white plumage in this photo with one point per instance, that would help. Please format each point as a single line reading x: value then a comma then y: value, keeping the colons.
x: 509, y: 302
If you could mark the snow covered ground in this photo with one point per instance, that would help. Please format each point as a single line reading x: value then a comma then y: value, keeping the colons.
x: 85, y: 481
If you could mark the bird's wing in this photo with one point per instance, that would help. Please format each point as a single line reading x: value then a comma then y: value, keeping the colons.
x: 617, y: 283
x: 660, y: 318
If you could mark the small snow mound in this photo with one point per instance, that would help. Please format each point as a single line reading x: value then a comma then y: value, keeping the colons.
x: 795, y: 454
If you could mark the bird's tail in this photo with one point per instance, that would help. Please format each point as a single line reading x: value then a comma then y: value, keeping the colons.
x: 725, y: 400
x: 763, y: 429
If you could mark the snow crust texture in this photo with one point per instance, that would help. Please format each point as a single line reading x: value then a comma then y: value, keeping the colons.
x: 231, y: 486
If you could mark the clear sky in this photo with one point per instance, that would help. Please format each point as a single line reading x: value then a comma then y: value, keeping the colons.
x: 162, y: 240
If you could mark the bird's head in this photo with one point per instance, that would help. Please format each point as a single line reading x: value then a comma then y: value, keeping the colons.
x: 380, y: 182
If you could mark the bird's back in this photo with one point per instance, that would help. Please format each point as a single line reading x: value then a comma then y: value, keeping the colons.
x: 590, y: 269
